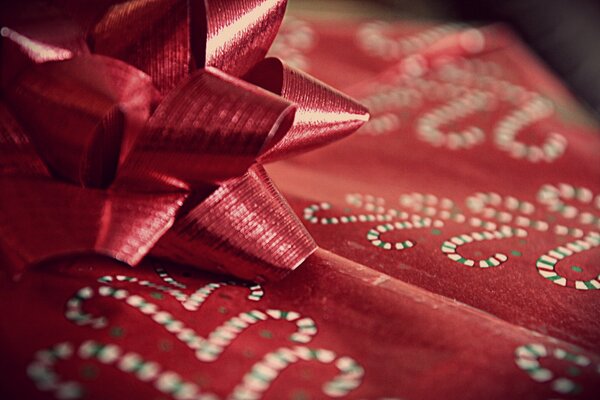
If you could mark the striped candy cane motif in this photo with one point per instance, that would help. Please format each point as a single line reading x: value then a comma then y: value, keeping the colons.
x: 375, y: 41
x: 546, y: 264
x: 253, y: 385
x: 380, y: 213
x: 74, y: 308
x: 536, y: 109
x: 193, y: 301
x: 259, y: 379
x: 219, y: 339
x: 487, y: 206
x: 206, y: 349
x: 531, y: 107
x: 432, y: 206
x: 450, y: 247
x: 164, y: 275
x: 553, y: 198
x: 428, y: 126
x: 427, y: 204
x: 41, y: 371
x: 373, y: 205
x: 471, y: 86
x: 374, y: 235
x: 527, y: 358
x: 196, y: 299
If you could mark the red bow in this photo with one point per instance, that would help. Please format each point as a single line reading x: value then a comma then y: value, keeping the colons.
x: 142, y: 126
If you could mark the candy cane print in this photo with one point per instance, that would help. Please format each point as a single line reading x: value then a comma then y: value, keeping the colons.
x: 253, y: 384
x: 532, y: 107
x: 487, y: 206
x: 546, y: 264
x: 554, y: 196
x: 373, y: 205
x: 527, y: 358
x: 536, y: 109
x: 429, y: 125
x: 197, y: 298
x: 206, y: 349
x: 373, y: 40
x: 75, y: 314
x: 374, y: 234
x: 260, y: 376
x: 41, y: 371
x: 432, y: 206
x: 450, y: 246
x: 376, y: 210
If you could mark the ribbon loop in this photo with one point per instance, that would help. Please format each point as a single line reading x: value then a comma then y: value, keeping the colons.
x: 78, y: 112
x: 239, y: 33
x: 153, y: 36
x: 210, y: 128
x: 245, y: 228
x: 323, y: 115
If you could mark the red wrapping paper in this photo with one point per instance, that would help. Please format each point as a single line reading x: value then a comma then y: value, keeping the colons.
x: 357, y: 320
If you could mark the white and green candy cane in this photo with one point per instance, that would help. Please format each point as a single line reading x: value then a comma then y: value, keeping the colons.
x: 487, y: 205
x: 527, y: 358
x: 259, y: 379
x: 373, y: 39
x: 197, y: 298
x: 210, y: 348
x: 450, y: 246
x: 253, y: 385
x: 546, y: 264
x: 530, y: 108
x: 75, y: 314
x: 374, y: 234
x: 519, y: 212
x: 164, y: 275
x: 41, y: 371
x: 428, y: 204
x: 536, y: 109
x: 431, y: 205
x: 429, y: 125
x: 194, y: 301
x: 422, y: 203
x: 374, y: 207
x: 554, y: 196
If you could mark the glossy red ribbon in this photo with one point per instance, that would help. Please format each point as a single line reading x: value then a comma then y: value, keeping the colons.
x: 137, y: 127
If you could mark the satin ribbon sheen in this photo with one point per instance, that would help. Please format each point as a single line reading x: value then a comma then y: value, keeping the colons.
x: 139, y: 127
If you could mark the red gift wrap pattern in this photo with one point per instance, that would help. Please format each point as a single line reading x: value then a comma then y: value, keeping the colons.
x: 458, y: 235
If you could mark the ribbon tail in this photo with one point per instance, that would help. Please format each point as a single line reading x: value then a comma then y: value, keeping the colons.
x: 41, y: 219
x: 245, y: 228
